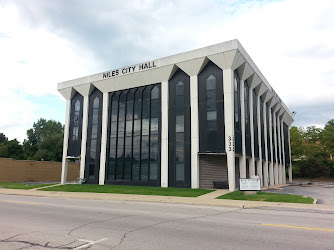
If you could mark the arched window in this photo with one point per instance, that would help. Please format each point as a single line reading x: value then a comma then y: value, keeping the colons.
x: 75, y: 129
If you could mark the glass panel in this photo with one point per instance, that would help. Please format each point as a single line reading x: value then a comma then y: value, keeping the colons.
x: 179, y: 109
x: 155, y: 93
x: 146, y: 109
x: 180, y: 88
x: 179, y: 155
x: 91, y: 169
x: 128, y: 149
x: 113, y: 129
x: 112, y: 149
x: 129, y: 110
x: 179, y: 123
x: 145, y: 127
x: 144, y: 149
x: 94, y: 131
x: 136, y: 127
x: 211, y: 83
x: 127, y: 171
x: 120, y: 149
x: 119, y: 170
x: 129, y: 127
x: 179, y: 172
x: 95, y: 117
x: 135, y: 172
x: 121, y: 128
x: 153, y: 172
x: 76, y: 120
x: 154, y: 125
x: 77, y: 105
x: 147, y: 94
x: 144, y: 172
x: 115, y: 100
x: 155, y: 108
x: 211, y: 100
x: 121, y: 115
x: 111, y: 171
x: 179, y: 137
x: 212, y: 115
x: 114, y: 113
x: 96, y: 103
x: 211, y: 125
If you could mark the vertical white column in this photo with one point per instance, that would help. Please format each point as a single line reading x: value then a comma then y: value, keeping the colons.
x: 194, y: 132
x: 290, y: 165
x: 275, y: 152
x: 84, y: 136
x: 164, y: 134
x: 265, y: 162
x: 259, y: 162
x: 64, y: 164
x: 280, y: 167
x: 242, y: 158
x: 104, y: 138
x: 228, y: 77
x: 251, y: 120
x: 283, y: 152
x: 271, y: 163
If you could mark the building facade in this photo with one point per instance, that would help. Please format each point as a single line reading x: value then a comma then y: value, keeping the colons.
x: 189, y: 120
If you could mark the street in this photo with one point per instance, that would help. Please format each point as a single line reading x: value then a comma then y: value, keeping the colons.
x: 28, y: 222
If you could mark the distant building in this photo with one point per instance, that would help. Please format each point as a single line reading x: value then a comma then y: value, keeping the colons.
x: 187, y: 120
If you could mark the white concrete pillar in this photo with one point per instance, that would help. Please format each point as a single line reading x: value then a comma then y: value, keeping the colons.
x: 251, y: 120
x: 242, y: 158
x: 283, y: 151
x: 194, y: 132
x: 279, y: 160
x: 64, y: 165
x: 84, y: 136
x: 259, y: 162
x: 290, y: 165
x: 276, y: 172
x: 104, y: 138
x: 228, y: 77
x: 265, y: 161
x: 271, y: 163
x: 164, y: 134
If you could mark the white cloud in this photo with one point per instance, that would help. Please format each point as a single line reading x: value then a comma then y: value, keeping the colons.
x: 46, y: 42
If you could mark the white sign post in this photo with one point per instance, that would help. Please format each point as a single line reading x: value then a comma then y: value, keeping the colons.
x: 250, y: 186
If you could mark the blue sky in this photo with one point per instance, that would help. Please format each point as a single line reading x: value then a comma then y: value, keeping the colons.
x: 46, y: 42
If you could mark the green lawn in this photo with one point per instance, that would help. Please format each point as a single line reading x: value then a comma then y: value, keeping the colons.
x: 120, y: 189
x: 263, y: 196
x: 15, y: 185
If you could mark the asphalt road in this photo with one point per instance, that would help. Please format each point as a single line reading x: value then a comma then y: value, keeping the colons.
x: 53, y: 223
x: 322, y: 191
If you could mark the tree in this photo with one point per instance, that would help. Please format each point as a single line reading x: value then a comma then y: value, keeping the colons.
x: 11, y: 149
x: 327, y: 137
x: 45, y: 140
x: 310, y: 168
x: 3, y: 138
x: 297, y: 144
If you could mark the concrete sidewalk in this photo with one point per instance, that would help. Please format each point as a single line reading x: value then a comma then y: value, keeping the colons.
x: 207, y: 199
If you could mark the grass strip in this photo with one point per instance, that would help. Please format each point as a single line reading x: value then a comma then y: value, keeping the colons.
x: 15, y: 185
x: 121, y: 189
x: 263, y: 196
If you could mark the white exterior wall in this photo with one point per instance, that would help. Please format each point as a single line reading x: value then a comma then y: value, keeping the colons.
x: 64, y: 164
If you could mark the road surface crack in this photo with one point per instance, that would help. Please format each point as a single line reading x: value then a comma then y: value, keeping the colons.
x: 90, y: 223
x: 167, y: 221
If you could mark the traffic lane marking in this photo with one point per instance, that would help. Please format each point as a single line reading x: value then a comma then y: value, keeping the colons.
x: 89, y: 243
x: 309, y: 228
x: 23, y: 202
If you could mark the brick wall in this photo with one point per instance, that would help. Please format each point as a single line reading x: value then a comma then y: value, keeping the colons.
x: 24, y: 171
x: 212, y: 168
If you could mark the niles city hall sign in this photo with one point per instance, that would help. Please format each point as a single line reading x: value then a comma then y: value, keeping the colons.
x: 130, y: 69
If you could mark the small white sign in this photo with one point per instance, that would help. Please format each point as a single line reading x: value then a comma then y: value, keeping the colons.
x: 249, y: 185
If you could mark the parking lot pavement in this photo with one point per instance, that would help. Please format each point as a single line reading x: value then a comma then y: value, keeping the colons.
x: 322, y: 191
